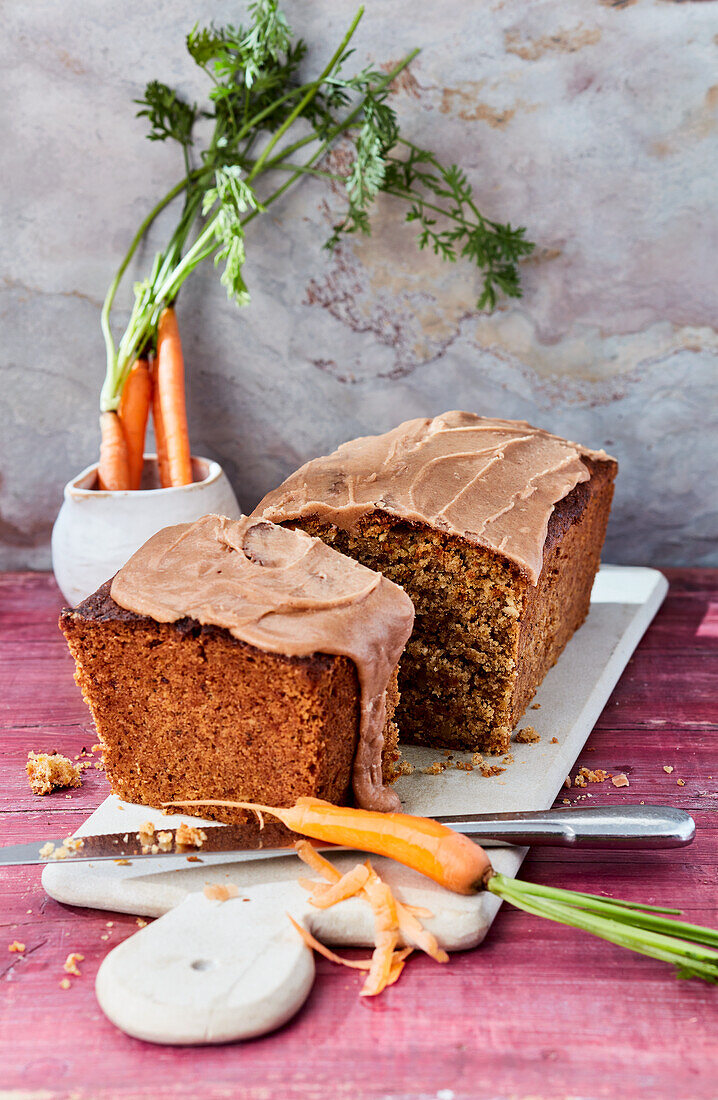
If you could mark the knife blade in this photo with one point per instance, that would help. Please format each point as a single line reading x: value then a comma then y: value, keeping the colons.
x: 621, y: 827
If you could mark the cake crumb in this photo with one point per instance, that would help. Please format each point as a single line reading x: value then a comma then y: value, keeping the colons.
x: 527, y: 736
x: 164, y: 841
x: 65, y: 983
x: 477, y: 759
x: 16, y: 946
x: 141, y: 922
x: 122, y: 862
x: 70, y: 963
x: 681, y: 782
x: 535, y: 706
x: 217, y: 891
x: 194, y: 859
x: 553, y: 741
x: 69, y: 845
x: 435, y: 769
x: 620, y: 780
x: 189, y: 836
x: 146, y: 837
x: 464, y: 765
x: 668, y: 768
x: 592, y: 776
x: 566, y: 801
x: 567, y: 782
x: 489, y: 770
x: 404, y: 768
x: 48, y: 772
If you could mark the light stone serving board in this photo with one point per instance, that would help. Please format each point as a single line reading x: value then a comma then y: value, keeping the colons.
x: 211, y: 972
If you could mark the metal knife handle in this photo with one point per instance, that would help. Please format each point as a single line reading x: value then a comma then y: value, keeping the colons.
x: 621, y: 827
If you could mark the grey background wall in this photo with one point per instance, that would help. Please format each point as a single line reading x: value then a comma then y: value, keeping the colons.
x: 593, y: 123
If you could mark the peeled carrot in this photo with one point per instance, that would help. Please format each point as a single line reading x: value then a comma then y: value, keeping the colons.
x: 169, y: 379
x: 159, y: 427
x: 113, y: 470
x: 134, y: 411
x: 449, y: 858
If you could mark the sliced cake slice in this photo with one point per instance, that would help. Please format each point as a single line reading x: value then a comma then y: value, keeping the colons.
x: 495, y: 530
x: 239, y: 660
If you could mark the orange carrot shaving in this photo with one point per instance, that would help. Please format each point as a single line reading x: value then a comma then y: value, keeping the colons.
x: 113, y: 470
x: 348, y: 886
x: 134, y: 411
x: 308, y: 853
x: 386, y: 935
x: 397, y: 965
x: 419, y: 911
x: 414, y: 933
x: 355, y: 964
x: 433, y: 849
x: 169, y: 379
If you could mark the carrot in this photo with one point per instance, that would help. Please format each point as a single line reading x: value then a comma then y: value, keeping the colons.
x: 447, y: 857
x: 134, y: 410
x: 159, y: 427
x: 113, y: 470
x: 169, y: 379
x: 424, y: 845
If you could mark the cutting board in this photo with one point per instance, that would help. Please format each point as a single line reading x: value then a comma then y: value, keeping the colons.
x: 210, y: 972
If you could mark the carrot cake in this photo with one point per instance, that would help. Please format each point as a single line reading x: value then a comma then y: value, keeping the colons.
x: 240, y: 660
x: 495, y: 530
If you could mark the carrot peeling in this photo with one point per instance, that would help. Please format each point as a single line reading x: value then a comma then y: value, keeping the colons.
x: 308, y: 853
x: 348, y: 886
x: 311, y: 941
x: 113, y: 470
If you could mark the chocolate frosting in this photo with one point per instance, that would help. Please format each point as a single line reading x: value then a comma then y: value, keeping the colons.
x: 284, y: 592
x: 493, y: 482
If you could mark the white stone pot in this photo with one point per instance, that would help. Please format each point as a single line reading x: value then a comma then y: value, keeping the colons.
x: 97, y: 531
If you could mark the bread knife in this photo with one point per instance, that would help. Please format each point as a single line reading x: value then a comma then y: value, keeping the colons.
x: 618, y: 828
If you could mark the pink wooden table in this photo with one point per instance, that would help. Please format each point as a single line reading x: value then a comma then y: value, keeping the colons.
x: 538, y: 1011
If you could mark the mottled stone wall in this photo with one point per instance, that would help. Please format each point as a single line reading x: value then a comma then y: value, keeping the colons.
x: 592, y: 123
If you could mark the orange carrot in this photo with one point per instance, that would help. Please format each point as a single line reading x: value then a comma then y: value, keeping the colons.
x: 113, y: 470
x: 134, y: 410
x: 169, y: 379
x: 449, y: 858
x: 159, y: 427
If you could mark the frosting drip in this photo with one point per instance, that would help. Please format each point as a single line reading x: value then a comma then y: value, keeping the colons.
x: 284, y: 592
x: 493, y: 482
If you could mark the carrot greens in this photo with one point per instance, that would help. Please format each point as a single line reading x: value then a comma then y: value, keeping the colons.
x: 267, y: 118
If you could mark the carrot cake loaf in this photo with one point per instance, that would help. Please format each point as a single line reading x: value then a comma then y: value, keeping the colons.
x: 240, y: 660
x: 495, y: 530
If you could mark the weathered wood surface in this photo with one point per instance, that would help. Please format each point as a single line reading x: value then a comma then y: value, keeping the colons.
x: 538, y: 1011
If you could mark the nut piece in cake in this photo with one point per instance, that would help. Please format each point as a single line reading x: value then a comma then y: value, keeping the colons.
x: 51, y: 772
